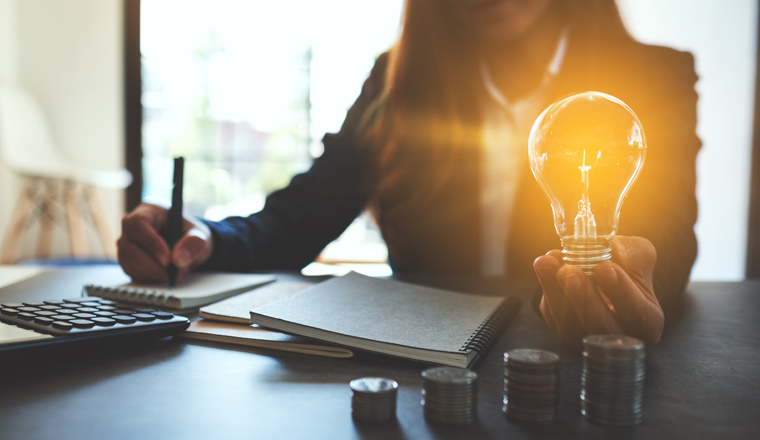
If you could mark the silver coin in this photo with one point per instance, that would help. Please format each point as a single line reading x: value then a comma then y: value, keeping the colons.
x: 613, y: 342
x: 453, y: 407
x: 374, y: 385
x: 529, y: 357
x: 450, y: 375
x: 517, y: 394
x: 469, y: 388
x: 601, y: 396
x: 531, y: 379
x: 531, y: 388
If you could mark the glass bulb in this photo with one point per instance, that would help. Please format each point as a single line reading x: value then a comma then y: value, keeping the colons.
x: 586, y: 150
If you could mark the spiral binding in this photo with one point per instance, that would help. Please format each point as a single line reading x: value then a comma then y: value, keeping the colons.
x: 491, y: 328
x: 131, y: 295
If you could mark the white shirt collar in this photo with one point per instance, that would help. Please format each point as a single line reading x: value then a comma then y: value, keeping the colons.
x: 553, y: 69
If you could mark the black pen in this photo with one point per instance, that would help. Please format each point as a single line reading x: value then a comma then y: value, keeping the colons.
x: 174, y: 229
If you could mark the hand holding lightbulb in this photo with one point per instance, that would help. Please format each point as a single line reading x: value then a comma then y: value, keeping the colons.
x: 586, y: 151
x: 619, y: 300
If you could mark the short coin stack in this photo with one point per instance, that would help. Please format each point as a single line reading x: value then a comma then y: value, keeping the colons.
x: 449, y: 395
x: 373, y: 398
x: 531, y: 386
x: 612, y: 381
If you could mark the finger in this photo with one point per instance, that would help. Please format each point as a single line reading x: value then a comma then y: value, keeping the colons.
x: 190, y: 249
x: 141, y: 232
x: 637, y: 313
x: 637, y: 256
x: 556, y: 253
x: 592, y: 311
x: 181, y: 275
x: 137, y: 263
x: 547, y: 315
x: 559, y: 306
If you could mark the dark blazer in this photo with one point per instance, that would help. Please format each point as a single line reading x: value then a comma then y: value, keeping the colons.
x: 298, y: 221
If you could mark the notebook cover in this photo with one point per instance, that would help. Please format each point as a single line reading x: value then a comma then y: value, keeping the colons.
x: 387, y: 311
x: 237, y: 309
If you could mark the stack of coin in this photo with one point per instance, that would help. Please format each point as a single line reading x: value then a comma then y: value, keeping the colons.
x: 612, y: 382
x: 449, y: 395
x: 531, y: 386
x: 373, y: 398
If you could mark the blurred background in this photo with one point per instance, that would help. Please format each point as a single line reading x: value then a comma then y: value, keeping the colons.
x: 245, y: 90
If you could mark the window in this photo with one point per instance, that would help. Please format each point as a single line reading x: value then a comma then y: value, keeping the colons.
x: 246, y: 89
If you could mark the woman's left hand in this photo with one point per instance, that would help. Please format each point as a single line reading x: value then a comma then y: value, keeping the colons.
x: 621, y: 301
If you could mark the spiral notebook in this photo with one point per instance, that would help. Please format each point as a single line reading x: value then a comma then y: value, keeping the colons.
x: 393, y: 318
x: 195, y: 290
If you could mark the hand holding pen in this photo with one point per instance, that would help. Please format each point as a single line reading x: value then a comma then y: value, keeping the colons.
x: 144, y: 250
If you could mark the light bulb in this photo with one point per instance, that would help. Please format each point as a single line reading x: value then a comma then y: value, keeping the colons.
x: 586, y: 150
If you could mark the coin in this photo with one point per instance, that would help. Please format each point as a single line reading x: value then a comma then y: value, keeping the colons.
x: 449, y: 395
x: 373, y: 398
x: 373, y: 385
x: 612, y: 379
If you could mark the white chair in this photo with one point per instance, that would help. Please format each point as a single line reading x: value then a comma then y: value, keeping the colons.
x: 51, y: 182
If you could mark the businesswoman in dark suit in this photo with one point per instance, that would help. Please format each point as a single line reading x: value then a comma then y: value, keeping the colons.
x: 435, y: 147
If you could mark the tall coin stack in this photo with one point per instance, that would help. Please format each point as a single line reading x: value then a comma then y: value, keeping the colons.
x: 373, y: 398
x: 449, y: 395
x: 612, y: 382
x: 531, y: 386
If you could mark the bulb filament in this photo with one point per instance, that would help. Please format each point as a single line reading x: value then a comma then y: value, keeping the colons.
x: 585, y: 224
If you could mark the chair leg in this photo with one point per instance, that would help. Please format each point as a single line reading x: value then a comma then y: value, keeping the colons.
x: 51, y: 194
x: 73, y: 205
x: 101, y: 222
x: 24, y: 208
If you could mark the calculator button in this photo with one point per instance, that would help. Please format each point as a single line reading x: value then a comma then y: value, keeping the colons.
x: 90, y: 304
x: 72, y: 306
x: 34, y: 304
x: 144, y: 317
x: 81, y: 300
x: 82, y: 323
x: 49, y: 307
x: 87, y: 309
x: 84, y: 315
x: 63, y: 325
x: 163, y: 315
x: 105, y: 314
x: 123, y: 311
x: 62, y: 317
x: 107, y: 308
x: 28, y: 309
x: 123, y: 319
x: 105, y: 322
x: 65, y: 311
x: 8, y: 311
x: 107, y: 302
x: 53, y: 302
x: 44, y: 313
x: 143, y: 310
x: 12, y: 306
x: 26, y: 316
x: 43, y: 320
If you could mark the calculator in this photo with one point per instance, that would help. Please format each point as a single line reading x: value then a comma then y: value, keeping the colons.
x: 31, y: 325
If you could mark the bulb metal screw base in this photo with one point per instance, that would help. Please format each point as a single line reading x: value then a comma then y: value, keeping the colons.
x: 586, y: 252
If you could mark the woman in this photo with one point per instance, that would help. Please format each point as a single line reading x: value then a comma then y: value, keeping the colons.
x: 435, y: 146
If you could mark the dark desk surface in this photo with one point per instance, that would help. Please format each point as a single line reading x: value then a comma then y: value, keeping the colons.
x: 702, y: 382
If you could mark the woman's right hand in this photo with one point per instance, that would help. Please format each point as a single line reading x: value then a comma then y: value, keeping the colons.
x: 143, y: 252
